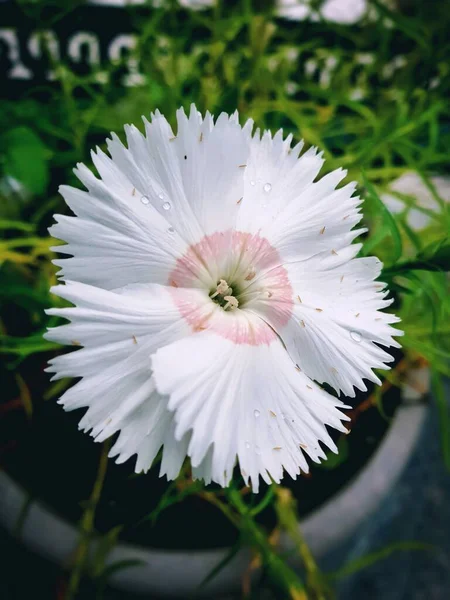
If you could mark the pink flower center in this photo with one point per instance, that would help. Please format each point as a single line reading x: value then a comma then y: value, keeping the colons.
x: 234, y: 281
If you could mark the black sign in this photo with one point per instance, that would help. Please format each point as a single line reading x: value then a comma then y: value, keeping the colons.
x: 86, y: 39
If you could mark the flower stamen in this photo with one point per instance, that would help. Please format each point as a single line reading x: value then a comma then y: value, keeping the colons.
x: 221, y: 289
x: 231, y: 302
x: 224, y: 296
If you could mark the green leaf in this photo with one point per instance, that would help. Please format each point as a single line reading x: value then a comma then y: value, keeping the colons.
x: 121, y: 564
x: 20, y: 225
x: 334, y: 460
x: 110, y: 570
x: 23, y: 514
x: 434, y: 257
x: 26, y: 159
x: 264, y: 503
x: 389, y: 223
x: 222, y: 564
x: 378, y: 392
x: 444, y: 414
x: 373, y: 557
x: 24, y: 346
x: 104, y: 547
x: 437, y: 253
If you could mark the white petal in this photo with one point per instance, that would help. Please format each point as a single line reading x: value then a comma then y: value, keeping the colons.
x: 152, y: 165
x: 335, y: 324
x: 212, y: 158
x: 115, y: 240
x: 244, y: 402
x: 143, y: 432
x: 139, y: 315
x: 153, y: 199
x: 119, y: 331
x: 320, y: 218
x: 283, y: 203
x: 274, y: 177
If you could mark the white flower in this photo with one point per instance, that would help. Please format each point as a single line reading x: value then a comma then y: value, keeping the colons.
x: 412, y: 185
x: 214, y: 284
x: 344, y: 11
x: 357, y: 94
x: 296, y: 10
x: 197, y: 4
x: 338, y: 11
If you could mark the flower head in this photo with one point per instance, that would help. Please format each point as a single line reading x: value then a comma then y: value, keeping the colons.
x: 215, y: 286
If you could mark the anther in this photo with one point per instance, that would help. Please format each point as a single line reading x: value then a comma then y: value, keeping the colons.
x: 222, y: 288
x: 231, y: 302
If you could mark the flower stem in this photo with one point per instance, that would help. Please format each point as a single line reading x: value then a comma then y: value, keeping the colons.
x: 285, y: 507
x: 279, y: 573
x: 87, y: 526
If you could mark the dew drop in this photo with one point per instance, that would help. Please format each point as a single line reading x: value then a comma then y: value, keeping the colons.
x: 161, y: 196
x: 257, y: 450
x: 267, y: 187
x: 145, y: 200
x: 256, y: 413
x: 171, y: 230
x: 252, y: 182
x: 166, y: 206
x: 356, y: 337
x: 247, y: 445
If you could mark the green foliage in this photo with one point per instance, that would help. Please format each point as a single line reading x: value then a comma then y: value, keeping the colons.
x: 444, y: 415
x: 26, y: 158
x: 370, y: 559
x: 334, y: 460
x: 434, y: 257
x: 388, y: 226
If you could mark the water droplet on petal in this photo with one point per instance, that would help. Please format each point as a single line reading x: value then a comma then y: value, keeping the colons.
x: 256, y: 413
x: 356, y: 337
x: 166, y: 206
x: 252, y: 182
x: 170, y: 230
x: 257, y: 450
x: 161, y: 196
x: 267, y: 187
x: 247, y: 445
x: 145, y: 200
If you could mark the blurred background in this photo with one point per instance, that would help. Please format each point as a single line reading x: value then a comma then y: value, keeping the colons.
x: 368, y: 82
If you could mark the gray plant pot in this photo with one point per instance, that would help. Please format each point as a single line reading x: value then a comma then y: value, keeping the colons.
x: 176, y: 574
